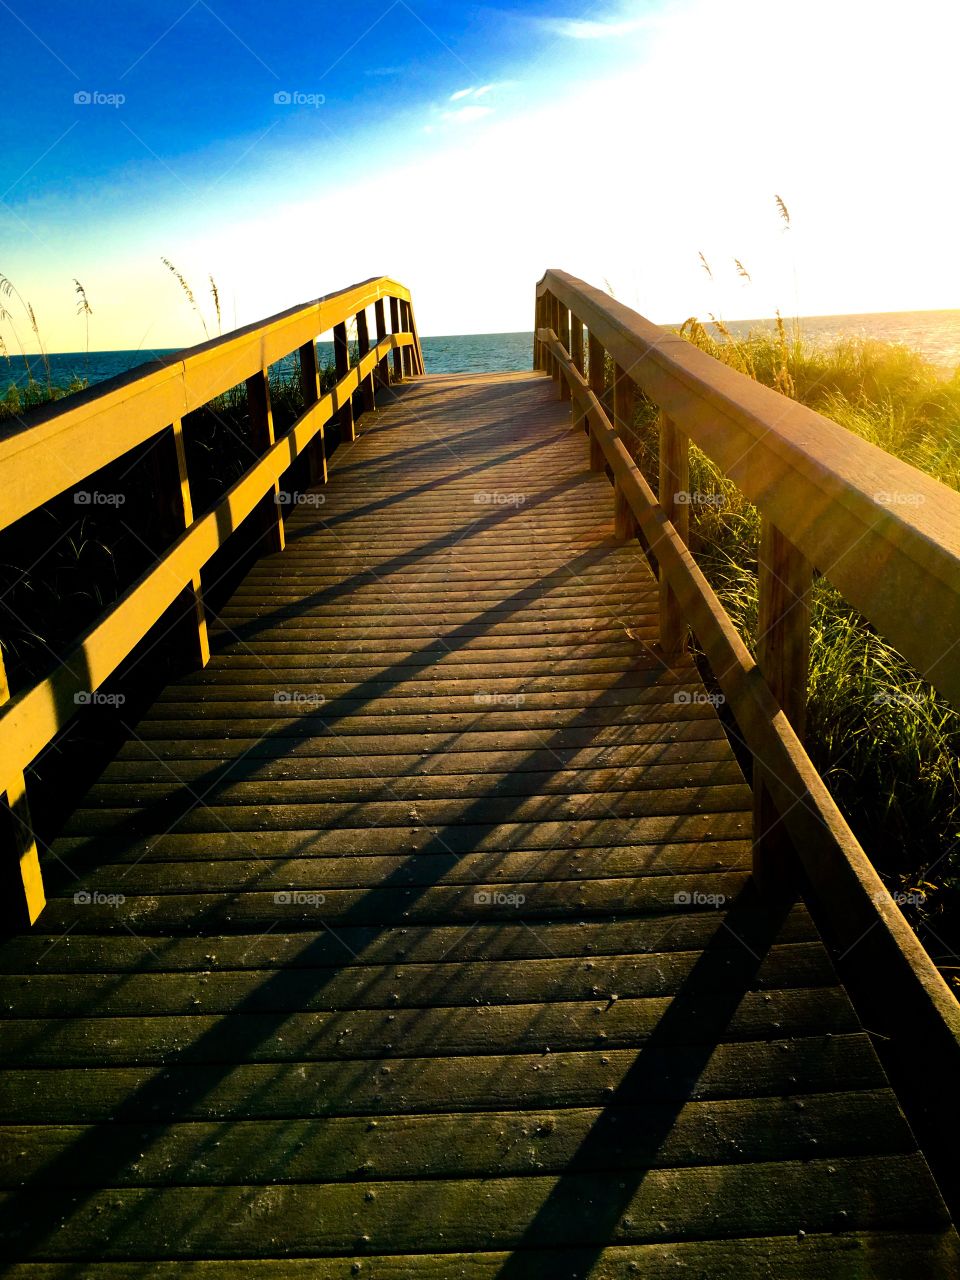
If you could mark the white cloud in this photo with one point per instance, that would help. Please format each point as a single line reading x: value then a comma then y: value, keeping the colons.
x: 466, y: 115
x: 470, y: 112
x: 849, y: 213
x: 585, y: 29
x: 475, y: 92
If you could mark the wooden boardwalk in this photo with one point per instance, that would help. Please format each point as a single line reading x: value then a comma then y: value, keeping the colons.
x: 412, y: 937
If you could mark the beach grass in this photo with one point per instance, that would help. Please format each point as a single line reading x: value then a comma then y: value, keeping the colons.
x: 886, y: 743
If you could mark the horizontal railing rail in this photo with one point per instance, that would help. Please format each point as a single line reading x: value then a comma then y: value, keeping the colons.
x: 69, y: 441
x: 823, y: 497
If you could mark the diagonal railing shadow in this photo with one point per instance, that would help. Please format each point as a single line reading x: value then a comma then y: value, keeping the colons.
x: 428, y: 486
x: 161, y: 814
x: 30, y: 1215
x: 459, y: 537
x: 172, y: 1092
x: 695, y: 1020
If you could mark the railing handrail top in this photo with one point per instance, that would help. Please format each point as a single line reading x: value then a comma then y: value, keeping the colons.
x: 802, y: 435
x: 92, y: 400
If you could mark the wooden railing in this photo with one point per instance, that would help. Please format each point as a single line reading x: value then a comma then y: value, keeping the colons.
x: 67, y: 442
x: 827, y: 502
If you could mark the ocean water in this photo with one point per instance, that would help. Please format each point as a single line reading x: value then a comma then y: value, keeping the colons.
x: 935, y: 333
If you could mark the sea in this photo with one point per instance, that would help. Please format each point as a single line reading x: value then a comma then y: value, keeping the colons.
x: 934, y: 333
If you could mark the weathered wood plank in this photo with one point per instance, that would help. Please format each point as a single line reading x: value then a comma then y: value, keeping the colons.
x: 409, y: 1086
x: 400, y: 944
x: 880, y: 1255
x: 467, y: 1144
x: 417, y: 985
x: 893, y: 1191
x: 640, y: 1058
x: 606, y: 1021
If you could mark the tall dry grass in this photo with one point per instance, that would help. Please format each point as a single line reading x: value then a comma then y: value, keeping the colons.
x: 885, y: 741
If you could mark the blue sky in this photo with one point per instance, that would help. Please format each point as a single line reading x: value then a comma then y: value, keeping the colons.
x: 199, y: 80
x: 293, y: 148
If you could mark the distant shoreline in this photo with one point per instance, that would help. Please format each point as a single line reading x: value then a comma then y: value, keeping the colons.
x: 934, y: 334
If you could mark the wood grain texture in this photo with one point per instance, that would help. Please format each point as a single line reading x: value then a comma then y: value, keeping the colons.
x: 67, y: 441
x: 883, y: 956
x: 413, y: 936
x: 885, y: 534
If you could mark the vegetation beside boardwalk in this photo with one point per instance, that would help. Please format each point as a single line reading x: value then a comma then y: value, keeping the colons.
x: 886, y: 743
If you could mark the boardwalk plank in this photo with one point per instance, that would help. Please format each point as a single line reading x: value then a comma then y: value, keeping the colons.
x: 414, y: 936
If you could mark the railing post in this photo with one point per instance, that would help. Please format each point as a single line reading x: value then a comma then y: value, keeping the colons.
x: 563, y: 333
x: 417, y: 350
x: 553, y: 322
x: 367, y: 394
x: 269, y: 512
x: 576, y: 354
x: 624, y: 405
x: 596, y: 371
x: 785, y: 578
x: 310, y: 388
x: 21, y: 884
x: 341, y: 356
x: 576, y: 342
x: 192, y: 601
x: 383, y: 375
x: 395, y: 328
x: 546, y: 322
x: 407, y: 351
x: 537, y: 326
x: 675, y: 500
